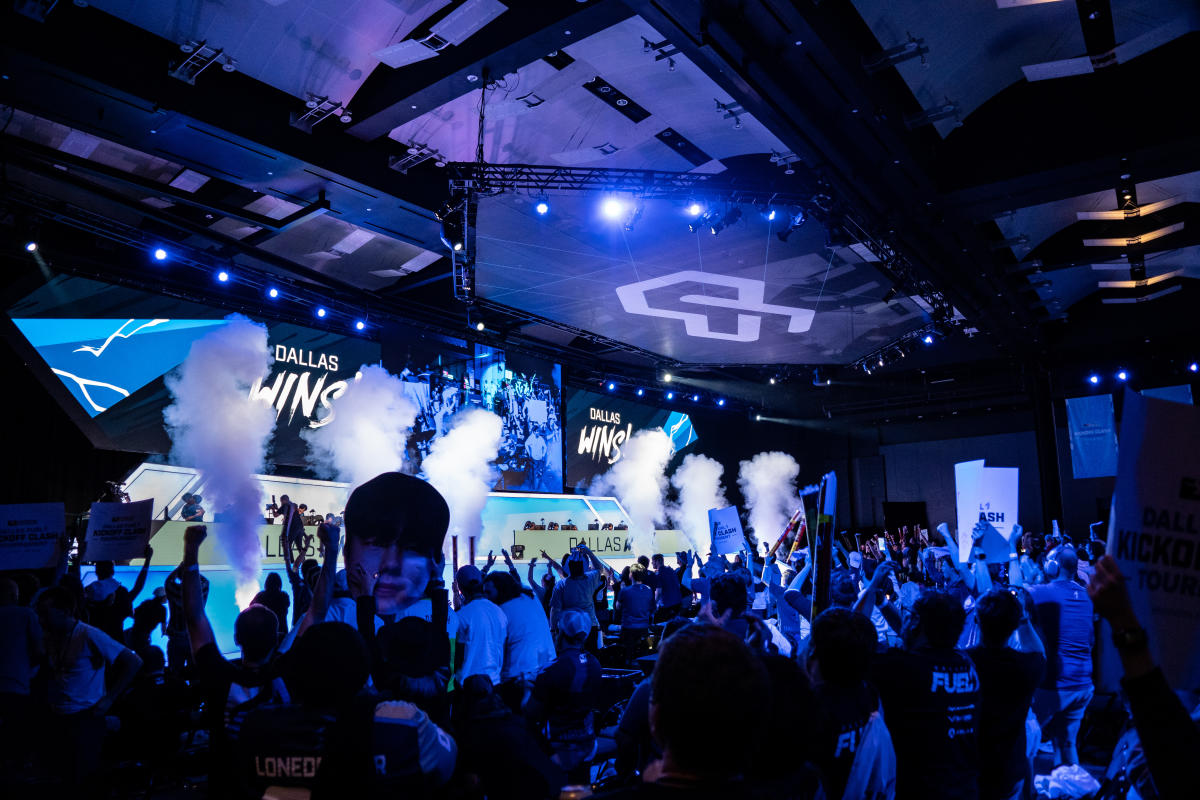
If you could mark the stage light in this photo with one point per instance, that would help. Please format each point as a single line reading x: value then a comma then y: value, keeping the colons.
x: 31, y: 247
x: 928, y: 338
x: 479, y: 326
x: 670, y: 395
x: 666, y: 377
x: 641, y: 392
x: 612, y: 208
x: 798, y: 220
x: 695, y: 209
x: 771, y: 381
x: 321, y: 312
x: 695, y: 398
x: 358, y: 326
x: 160, y: 254
x: 758, y: 417
x: 1122, y: 375
x: 612, y: 387
x: 223, y: 276
x: 1193, y: 367
x: 272, y: 293
x: 890, y: 294
x: 542, y: 207
x: 721, y: 401
x: 881, y: 361
x: 1093, y: 379
x: 458, y: 246
x: 771, y: 215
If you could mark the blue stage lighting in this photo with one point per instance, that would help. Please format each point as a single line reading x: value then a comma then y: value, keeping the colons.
x: 223, y: 276
x: 272, y: 293
x: 1122, y: 375
x: 542, y: 207
x: 695, y: 398
x: 771, y: 215
x: 321, y: 312
x: 31, y: 247
x: 160, y: 254
x: 612, y: 208
x: 1193, y: 367
x: 612, y: 387
x: 1093, y: 379
x: 360, y: 325
x: 694, y: 209
x: 641, y: 392
x: 928, y: 338
x: 670, y: 395
x: 721, y: 402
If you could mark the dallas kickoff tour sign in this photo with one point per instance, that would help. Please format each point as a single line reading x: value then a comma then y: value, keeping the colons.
x: 1154, y: 533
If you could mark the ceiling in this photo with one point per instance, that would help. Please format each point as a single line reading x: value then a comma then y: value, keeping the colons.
x: 979, y: 155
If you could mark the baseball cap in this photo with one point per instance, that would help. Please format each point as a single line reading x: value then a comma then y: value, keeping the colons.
x: 572, y: 623
x: 468, y: 574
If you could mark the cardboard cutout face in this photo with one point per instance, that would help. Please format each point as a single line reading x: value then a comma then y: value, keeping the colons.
x: 400, y: 577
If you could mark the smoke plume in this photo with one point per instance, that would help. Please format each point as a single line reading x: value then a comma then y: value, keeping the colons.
x: 459, y: 465
x: 639, y: 481
x: 768, y: 482
x: 698, y: 483
x: 367, y: 434
x: 217, y: 428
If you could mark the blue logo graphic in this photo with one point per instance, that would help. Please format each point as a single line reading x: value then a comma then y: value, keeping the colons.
x: 103, y: 361
x: 679, y: 427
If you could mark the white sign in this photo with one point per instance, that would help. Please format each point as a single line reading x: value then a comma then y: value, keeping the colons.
x: 118, y: 531
x: 988, y: 495
x: 1154, y: 532
x: 726, y: 530
x: 29, y: 535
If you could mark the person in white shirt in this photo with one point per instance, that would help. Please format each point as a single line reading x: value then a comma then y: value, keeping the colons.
x: 87, y: 670
x: 528, y: 644
x: 482, y: 628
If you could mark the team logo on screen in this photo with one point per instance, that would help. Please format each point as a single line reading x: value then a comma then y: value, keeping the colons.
x: 749, y: 302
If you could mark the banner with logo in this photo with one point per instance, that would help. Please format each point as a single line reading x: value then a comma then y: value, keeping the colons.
x: 987, y: 495
x: 1093, y: 433
x: 118, y: 531
x: 726, y: 528
x: 1154, y: 532
x: 29, y: 535
x: 1181, y: 393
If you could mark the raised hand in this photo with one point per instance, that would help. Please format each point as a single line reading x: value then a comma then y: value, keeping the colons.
x: 328, y: 533
x: 359, y: 582
x: 507, y: 557
x: 194, y: 536
x: 1108, y: 592
x: 148, y: 552
x: 490, y: 560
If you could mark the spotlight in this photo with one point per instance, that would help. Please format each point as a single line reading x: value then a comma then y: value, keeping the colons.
x: 721, y: 401
x: 1093, y: 379
x: 479, y: 326
x: 1193, y: 367
x: 927, y: 338
x: 670, y: 395
x: 321, y: 312
x: 612, y: 208
x: 666, y: 377
x: 223, y: 276
x: 1122, y: 375
x: 695, y: 209
x: 160, y: 254
x: 881, y: 361
x: 641, y: 392
x: 771, y: 380
x: 771, y: 215
x: 890, y: 294
x: 453, y: 233
x: 542, y: 206
x: 793, y: 225
x: 634, y: 216
x: 758, y: 417
x: 272, y: 293
x: 358, y: 326
x: 731, y: 216
x: 31, y: 247
x: 695, y: 398
x: 612, y: 387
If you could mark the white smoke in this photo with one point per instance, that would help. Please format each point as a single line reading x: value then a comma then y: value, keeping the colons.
x: 768, y: 482
x: 219, y: 429
x: 639, y: 481
x: 459, y: 465
x: 367, y: 435
x: 698, y: 483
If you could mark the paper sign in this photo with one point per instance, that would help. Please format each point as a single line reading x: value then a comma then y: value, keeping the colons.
x: 966, y: 479
x: 1154, y: 533
x: 29, y: 535
x: 988, y: 495
x: 726, y: 530
x: 118, y: 531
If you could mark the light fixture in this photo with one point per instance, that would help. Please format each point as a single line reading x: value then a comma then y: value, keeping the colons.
x: 542, y: 206
x: 641, y: 392
x: 31, y: 247
x: 695, y: 398
x: 731, y: 216
x: 321, y: 312
x: 891, y: 294
x: 160, y: 254
x: 1122, y: 375
x: 721, y: 401
x: 358, y: 326
x: 771, y: 215
x: 1193, y: 367
x: 670, y: 395
x: 479, y: 326
x: 771, y: 380
x: 796, y: 222
x: 927, y: 338
x: 223, y: 276
x: 881, y: 361
x: 272, y: 293
x: 758, y: 417
x: 667, y: 377
x: 612, y: 387
x: 1093, y: 379
x: 612, y: 208
x: 695, y: 209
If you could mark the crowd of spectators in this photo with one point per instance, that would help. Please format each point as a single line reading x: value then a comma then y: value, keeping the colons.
x: 921, y: 676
